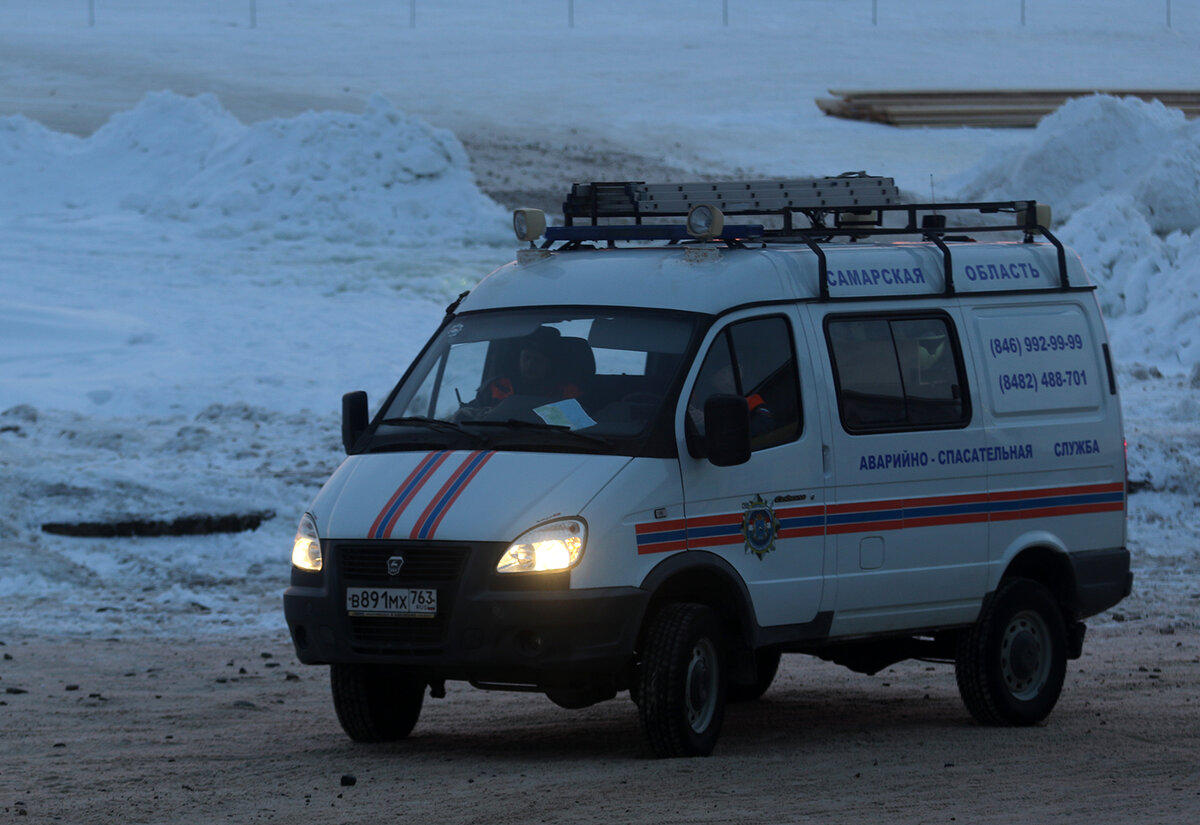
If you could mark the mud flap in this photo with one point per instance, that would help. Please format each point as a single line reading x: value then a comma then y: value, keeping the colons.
x: 1075, y: 634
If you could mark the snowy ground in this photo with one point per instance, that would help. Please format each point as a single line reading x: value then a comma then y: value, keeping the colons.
x: 194, y: 266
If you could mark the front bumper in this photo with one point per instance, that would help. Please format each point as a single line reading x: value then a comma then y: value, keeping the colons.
x: 489, y: 628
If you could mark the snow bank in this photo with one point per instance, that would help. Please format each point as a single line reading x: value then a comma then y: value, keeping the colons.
x: 382, y: 177
x: 1122, y: 176
x: 229, y: 458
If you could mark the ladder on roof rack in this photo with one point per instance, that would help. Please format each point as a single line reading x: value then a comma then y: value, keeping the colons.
x: 811, y: 196
x: 856, y: 201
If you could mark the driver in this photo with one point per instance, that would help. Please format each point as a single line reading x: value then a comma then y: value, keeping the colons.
x: 535, y: 373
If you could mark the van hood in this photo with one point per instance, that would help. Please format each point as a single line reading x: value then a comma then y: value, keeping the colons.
x: 457, y: 495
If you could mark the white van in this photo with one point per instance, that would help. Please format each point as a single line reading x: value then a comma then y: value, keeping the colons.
x: 652, y: 455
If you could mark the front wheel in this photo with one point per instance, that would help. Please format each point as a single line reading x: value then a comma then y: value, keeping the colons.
x: 682, y: 682
x: 1011, y: 664
x: 376, y: 703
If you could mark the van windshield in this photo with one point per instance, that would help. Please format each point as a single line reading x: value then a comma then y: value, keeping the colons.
x: 573, y: 380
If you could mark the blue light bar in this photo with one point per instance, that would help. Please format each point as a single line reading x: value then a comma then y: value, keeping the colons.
x: 665, y: 232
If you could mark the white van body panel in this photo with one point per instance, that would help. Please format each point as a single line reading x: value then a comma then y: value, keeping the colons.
x: 1074, y: 486
x: 905, y: 557
x: 786, y: 578
x: 632, y: 525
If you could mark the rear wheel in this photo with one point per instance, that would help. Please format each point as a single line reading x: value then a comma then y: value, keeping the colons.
x: 682, y: 682
x: 376, y: 703
x: 1011, y: 664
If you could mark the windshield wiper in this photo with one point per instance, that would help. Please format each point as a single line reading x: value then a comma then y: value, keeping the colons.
x: 557, y: 429
x: 431, y: 423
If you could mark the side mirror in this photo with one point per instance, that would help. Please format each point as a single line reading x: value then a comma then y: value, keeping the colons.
x: 727, y: 430
x: 354, y: 418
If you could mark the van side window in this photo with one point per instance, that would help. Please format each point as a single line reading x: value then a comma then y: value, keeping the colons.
x: 756, y: 360
x: 897, y: 373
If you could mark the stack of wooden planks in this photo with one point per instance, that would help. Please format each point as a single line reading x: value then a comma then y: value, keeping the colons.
x: 990, y: 109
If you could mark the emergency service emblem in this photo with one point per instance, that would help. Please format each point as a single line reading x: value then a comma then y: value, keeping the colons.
x: 760, y: 526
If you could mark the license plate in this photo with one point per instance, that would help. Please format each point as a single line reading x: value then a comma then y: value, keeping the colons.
x: 392, y: 601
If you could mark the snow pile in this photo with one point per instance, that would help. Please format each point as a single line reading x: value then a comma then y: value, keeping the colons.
x: 1122, y: 176
x: 382, y: 177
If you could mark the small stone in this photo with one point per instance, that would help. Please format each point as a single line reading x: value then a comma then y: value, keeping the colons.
x: 291, y: 677
x: 348, y: 779
x: 12, y: 691
x: 71, y: 687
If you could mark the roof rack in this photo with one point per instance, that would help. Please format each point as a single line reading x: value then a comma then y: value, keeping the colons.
x: 852, y: 205
x: 809, y: 196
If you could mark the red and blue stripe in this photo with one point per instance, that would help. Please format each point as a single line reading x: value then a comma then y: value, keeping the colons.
x: 436, y: 510
x: 890, y: 514
x: 381, y: 528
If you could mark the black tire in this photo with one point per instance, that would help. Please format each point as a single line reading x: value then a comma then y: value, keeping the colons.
x: 766, y: 665
x: 376, y: 703
x: 682, y: 681
x: 1011, y: 664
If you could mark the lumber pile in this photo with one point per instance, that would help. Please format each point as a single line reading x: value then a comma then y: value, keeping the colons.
x: 985, y: 109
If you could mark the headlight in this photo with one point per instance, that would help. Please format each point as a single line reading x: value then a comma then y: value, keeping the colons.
x: 306, y: 551
x: 553, y: 546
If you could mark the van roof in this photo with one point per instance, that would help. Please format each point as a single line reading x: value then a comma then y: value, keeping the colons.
x: 713, y: 279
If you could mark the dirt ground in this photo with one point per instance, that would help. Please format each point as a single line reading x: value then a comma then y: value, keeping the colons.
x: 146, y: 730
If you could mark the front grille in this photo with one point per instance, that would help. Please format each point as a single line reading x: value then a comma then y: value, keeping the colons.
x: 423, y: 563
x: 365, y: 564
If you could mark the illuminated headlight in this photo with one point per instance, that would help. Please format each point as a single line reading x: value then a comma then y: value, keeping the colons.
x: 306, y: 551
x: 553, y: 546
